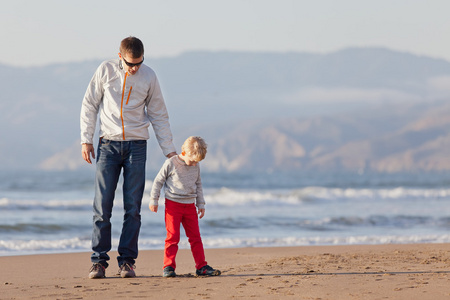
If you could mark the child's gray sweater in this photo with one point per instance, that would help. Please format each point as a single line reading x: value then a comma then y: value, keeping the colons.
x: 182, y: 183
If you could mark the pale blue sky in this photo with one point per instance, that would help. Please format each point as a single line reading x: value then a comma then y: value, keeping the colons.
x: 51, y: 31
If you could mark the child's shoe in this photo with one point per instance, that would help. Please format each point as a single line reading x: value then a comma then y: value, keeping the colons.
x: 169, y: 272
x: 207, y: 271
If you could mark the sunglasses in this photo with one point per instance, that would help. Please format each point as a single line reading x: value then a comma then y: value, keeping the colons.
x: 133, y: 65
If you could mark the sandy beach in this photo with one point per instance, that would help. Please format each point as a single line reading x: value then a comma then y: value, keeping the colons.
x: 415, y: 271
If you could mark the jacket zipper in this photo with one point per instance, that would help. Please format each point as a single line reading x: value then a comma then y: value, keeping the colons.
x: 121, y: 103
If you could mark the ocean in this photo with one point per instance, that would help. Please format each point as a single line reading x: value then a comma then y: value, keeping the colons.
x: 51, y: 212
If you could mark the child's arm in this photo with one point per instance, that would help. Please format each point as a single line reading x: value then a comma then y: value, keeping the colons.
x: 200, y: 201
x: 158, y: 183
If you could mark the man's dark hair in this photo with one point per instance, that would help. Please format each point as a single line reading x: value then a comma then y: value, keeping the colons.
x: 133, y: 46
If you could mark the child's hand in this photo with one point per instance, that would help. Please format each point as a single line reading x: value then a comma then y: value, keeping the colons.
x: 201, y: 212
x: 153, y: 208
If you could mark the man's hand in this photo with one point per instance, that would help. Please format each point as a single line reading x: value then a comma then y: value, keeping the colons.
x: 153, y: 208
x: 171, y: 154
x: 201, y: 212
x: 86, y: 151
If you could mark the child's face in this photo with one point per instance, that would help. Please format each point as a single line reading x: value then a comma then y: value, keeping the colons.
x: 188, y: 159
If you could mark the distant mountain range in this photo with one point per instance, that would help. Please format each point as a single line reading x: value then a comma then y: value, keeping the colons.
x: 358, y: 109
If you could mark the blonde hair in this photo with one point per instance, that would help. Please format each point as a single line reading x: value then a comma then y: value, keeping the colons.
x: 195, y: 147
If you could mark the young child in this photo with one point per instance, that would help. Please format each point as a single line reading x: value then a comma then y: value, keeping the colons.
x: 180, y: 176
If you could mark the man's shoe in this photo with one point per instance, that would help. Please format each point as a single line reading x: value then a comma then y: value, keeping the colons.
x: 207, y: 271
x: 127, y: 270
x: 169, y: 272
x: 97, y: 271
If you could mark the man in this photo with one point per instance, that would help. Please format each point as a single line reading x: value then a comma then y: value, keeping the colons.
x: 126, y: 96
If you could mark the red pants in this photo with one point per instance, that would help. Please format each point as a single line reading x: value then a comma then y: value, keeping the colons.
x: 186, y: 214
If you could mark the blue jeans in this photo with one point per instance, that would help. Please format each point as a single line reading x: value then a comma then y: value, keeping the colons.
x: 112, y: 157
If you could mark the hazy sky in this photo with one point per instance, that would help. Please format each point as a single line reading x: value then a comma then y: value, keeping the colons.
x: 45, y: 31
